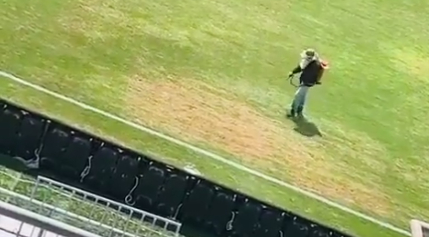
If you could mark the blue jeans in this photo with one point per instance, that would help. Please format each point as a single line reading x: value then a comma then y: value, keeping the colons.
x: 299, y: 99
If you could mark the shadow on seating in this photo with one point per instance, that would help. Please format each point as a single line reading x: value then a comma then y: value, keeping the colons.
x: 306, y: 128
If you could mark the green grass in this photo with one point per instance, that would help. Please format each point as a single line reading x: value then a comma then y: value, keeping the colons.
x: 206, y: 70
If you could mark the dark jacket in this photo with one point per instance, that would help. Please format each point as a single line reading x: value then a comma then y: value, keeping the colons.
x: 310, y: 74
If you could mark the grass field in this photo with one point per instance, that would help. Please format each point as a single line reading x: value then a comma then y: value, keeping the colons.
x: 213, y: 73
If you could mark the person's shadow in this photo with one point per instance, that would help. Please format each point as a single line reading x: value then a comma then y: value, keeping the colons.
x: 306, y: 127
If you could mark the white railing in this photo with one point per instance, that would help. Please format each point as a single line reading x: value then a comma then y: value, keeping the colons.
x: 104, y: 212
x: 15, y: 221
x: 70, y: 212
x: 419, y: 228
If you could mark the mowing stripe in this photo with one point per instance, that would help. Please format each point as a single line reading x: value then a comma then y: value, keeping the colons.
x: 204, y: 152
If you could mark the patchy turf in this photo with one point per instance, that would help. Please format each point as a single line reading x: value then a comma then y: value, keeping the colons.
x: 202, y: 113
x: 199, y: 112
x: 213, y: 170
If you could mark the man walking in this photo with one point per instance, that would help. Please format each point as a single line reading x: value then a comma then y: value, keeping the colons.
x: 311, y: 68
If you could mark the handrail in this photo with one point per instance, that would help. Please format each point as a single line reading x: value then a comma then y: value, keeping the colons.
x: 42, y: 222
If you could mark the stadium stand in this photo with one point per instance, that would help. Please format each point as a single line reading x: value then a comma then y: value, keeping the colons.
x: 82, y: 160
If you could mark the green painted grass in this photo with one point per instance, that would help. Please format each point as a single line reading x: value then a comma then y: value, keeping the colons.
x: 154, y: 61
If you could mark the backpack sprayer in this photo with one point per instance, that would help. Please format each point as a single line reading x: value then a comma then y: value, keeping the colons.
x: 324, y: 65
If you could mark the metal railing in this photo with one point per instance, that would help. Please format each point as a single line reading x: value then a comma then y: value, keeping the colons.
x: 15, y: 221
x: 68, y: 211
x: 104, y: 213
x: 419, y: 228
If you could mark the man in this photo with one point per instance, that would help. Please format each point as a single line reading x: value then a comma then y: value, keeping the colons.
x: 311, y: 68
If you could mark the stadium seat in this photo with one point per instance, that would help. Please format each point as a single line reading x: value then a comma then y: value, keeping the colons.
x: 10, y: 121
x: 75, y: 157
x: 318, y: 231
x: 220, y: 212
x: 338, y: 234
x: 54, y: 146
x: 296, y: 227
x: 246, y: 219
x: 196, y: 205
x: 103, y: 164
x: 124, y: 176
x: 270, y: 224
x: 171, y: 195
x: 28, y: 137
x: 148, y: 188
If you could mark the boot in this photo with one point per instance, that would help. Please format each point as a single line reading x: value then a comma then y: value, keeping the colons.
x: 291, y: 113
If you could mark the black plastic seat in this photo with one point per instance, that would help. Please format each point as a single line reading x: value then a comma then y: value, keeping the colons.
x: 246, y: 219
x: 220, y: 212
x: 270, y: 223
x: 54, y: 146
x: 28, y: 139
x: 196, y: 206
x: 171, y: 195
x: 319, y: 231
x: 297, y: 227
x: 149, y: 187
x: 10, y: 122
x: 123, y: 177
x: 102, y: 166
x: 75, y: 157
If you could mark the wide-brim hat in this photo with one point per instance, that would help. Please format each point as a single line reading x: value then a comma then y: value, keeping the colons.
x: 308, y: 53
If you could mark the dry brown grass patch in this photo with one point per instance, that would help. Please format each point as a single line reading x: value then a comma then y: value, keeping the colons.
x: 198, y: 112
x: 201, y: 113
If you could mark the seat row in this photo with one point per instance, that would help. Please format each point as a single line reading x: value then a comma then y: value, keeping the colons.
x: 147, y: 184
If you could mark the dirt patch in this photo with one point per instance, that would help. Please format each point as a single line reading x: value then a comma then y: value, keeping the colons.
x: 363, y: 196
x: 198, y: 112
